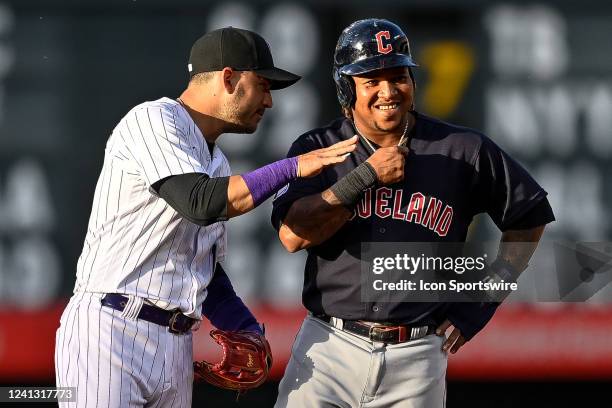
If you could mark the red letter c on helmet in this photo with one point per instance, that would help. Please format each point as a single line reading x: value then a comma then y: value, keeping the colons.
x: 384, y: 48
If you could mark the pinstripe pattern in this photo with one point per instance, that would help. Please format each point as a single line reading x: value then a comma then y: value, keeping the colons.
x: 135, y: 241
x: 160, y: 373
x: 136, y: 244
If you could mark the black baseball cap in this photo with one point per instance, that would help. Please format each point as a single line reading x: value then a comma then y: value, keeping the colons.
x: 242, y: 50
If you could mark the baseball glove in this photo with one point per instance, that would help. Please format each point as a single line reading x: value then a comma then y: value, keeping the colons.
x: 245, y: 364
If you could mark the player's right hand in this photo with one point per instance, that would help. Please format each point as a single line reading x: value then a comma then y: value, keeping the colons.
x: 388, y: 162
x: 454, y: 341
x: 312, y: 163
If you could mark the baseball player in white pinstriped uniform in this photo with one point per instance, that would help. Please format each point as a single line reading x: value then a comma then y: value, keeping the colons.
x: 149, y: 270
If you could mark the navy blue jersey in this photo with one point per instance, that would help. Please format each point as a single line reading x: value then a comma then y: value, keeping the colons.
x: 452, y: 173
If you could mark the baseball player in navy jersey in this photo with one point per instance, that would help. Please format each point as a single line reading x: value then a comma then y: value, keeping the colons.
x: 150, y: 266
x: 412, y: 178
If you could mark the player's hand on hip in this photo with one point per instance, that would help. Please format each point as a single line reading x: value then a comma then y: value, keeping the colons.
x: 388, y: 162
x: 454, y: 341
x: 312, y: 163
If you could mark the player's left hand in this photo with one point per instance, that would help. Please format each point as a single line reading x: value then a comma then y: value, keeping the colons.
x: 454, y: 341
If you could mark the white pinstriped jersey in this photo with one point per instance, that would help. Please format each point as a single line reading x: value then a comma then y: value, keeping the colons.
x: 136, y: 244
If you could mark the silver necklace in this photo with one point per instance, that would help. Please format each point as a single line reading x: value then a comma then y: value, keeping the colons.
x: 401, y: 142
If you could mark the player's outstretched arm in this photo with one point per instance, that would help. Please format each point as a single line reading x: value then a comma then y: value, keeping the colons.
x: 248, y: 190
x: 204, y: 200
x: 313, y: 219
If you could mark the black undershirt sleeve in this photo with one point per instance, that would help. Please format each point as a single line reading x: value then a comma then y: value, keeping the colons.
x: 195, y: 196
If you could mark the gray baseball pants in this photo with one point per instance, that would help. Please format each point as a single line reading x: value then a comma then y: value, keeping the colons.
x: 332, y: 368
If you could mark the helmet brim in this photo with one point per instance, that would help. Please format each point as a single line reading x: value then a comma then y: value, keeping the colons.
x: 376, y: 63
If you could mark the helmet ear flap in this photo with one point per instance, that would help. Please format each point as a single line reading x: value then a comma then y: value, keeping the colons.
x: 345, y: 89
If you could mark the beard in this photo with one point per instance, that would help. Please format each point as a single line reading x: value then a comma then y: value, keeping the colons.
x: 237, y: 120
x: 388, y: 128
x: 234, y: 127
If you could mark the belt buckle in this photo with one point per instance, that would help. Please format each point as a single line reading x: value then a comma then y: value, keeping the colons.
x: 401, y: 332
x: 371, y: 333
x: 376, y: 329
x: 172, y: 322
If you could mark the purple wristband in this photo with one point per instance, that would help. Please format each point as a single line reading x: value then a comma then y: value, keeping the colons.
x: 266, y: 180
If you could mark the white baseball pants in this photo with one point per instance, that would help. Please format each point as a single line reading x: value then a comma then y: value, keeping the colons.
x: 119, y: 361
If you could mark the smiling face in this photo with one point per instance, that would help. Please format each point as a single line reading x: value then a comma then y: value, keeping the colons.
x: 246, y: 106
x: 382, y: 100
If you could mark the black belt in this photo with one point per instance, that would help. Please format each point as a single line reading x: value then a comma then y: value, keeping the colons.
x: 174, y: 320
x: 385, y: 333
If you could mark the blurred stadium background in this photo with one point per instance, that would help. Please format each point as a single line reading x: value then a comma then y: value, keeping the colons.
x: 535, y: 76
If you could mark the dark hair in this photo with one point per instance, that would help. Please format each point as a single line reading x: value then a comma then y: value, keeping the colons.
x: 202, y: 77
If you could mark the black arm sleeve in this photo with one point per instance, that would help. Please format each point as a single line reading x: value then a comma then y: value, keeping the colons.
x: 195, y: 196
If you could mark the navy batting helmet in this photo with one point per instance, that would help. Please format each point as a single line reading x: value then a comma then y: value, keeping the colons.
x: 365, y: 46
